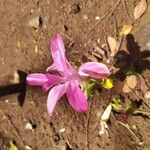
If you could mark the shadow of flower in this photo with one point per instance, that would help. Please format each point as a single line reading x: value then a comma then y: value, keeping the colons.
x: 132, y: 57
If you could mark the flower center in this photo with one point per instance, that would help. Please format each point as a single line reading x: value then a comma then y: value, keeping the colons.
x: 73, y: 76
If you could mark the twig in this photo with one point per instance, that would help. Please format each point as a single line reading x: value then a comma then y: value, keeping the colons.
x: 12, y: 126
x: 147, y: 114
x: 126, y: 9
x: 115, y: 27
x: 68, y: 143
x: 129, y: 129
x: 71, y: 39
x: 118, y: 48
x: 111, y: 11
x: 87, y: 126
x: 140, y: 97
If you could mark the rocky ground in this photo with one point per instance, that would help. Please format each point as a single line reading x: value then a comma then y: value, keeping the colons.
x: 26, y: 29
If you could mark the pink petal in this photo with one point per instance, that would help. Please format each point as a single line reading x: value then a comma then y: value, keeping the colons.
x: 94, y: 70
x: 76, y: 98
x: 53, y: 80
x: 51, y: 68
x: 37, y: 79
x: 54, y: 95
x: 59, y: 57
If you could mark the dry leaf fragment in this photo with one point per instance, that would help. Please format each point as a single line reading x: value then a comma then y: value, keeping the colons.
x: 106, y: 114
x: 126, y: 88
x: 113, y: 44
x: 147, y: 95
x: 104, y: 128
x: 140, y: 9
x: 98, y: 52
x: 130, y: 83
x: 143, y: 85
x: 126, y: 29
x: 104, y: 118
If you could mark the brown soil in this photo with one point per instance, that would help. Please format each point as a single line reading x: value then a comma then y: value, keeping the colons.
x: 27, y: 49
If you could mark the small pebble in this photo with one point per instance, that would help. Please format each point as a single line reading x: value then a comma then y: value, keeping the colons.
x: 34, y: 22
x: 74, y: 8
x: 29, y: 126
x: 62, y: 130
x: 18, y: 44
x: 89, y: 3
x: 16, y: 78
x: 85, y: 17
x: 98, y: 40
x: 4, y: 117
x: 28, y: 147
x: 134, y: 127
x: 31, y: 11
x: 6, y: 101
x: 148, y: 44
x: 36, y: 49
x: 140, y: 143
x: 32, y: 102
x: 2, y: 61
x: 147, y: 95
x: 97, y: 18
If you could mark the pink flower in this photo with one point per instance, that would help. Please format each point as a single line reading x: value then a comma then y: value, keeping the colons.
x: 68, y: 81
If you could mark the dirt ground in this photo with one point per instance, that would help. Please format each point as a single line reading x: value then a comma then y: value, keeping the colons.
x: 26, y: 48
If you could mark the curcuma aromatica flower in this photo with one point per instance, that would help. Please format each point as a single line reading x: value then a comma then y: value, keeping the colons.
x: 67, y: 80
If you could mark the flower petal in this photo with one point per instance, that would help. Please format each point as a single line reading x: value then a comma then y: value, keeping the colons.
x: 59, y: 57
x: 53, y: 80
x: 37, y: 79
x: 76, y: 97
x: 54, y: 95
x: 94, y: 70
x: 51, y: 68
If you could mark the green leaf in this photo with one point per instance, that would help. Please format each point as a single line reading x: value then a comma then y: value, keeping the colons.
x: 133, y: 106
x: 12, y: 146
x: 90, y: 89
x: 116, y: 103
x: 88, y: 86
x: 129, y: 71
